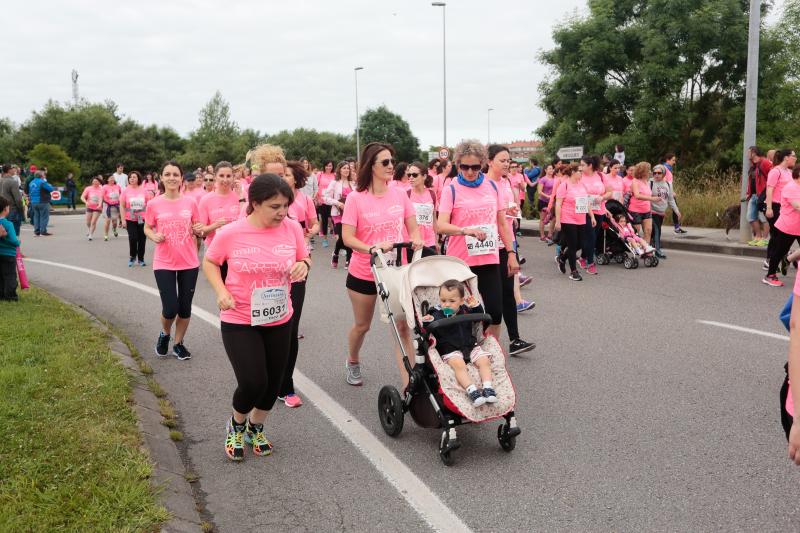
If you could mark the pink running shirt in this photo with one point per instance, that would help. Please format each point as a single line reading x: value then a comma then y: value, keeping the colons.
x: 617, y: 185
x: 134, y: 201
x: 302, y: 209
x: 376, y: 219
x: 173, y: 219
x: 426, y: 212
x: 640, y: 206
x: 789, y: 220
x: 111, y: 194
x: 473, y: 207
x: 778, y: 177
x: 258, y: 258
x: 595, y: 187
x: 324, y: 180
x: 94, y: 197
x: 213, y: 207
x: 572, y: 193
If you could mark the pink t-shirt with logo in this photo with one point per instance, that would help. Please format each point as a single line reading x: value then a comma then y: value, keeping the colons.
x: 516, y: 181
x: 302, y: 209
x: 94, y: 197
x: 151, y: 188
x: 173, y: 219
x: 595, y: 187
x: 640, y: 206
x: 508, y: 197
x: 257, y: 258
x: 617, y: 185
x: 376, y: 219
x: 213, y: 207
x: 473, y: 206
x: 323, y: 179
x: 425, y: 211
x: 778, y: 177
x: 789, y: 220
x: 111, y: 194
x: 627, y: 183
x: 134, y: 201
x: 570, y: 192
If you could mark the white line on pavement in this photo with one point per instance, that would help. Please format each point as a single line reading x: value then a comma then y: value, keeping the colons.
x: 418, y: 495
x: 716, y: 256
x: 744, y: 330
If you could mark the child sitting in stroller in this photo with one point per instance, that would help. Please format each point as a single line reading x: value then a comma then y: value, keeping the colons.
x: 628, y: 235
x: 457, y: 343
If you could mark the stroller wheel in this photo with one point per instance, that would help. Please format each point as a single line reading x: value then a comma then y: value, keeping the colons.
x: 390, y: 410
x: 648, y: 261
x: 628, y: 262
x: 635, y: 262
x: 507, y: 441
x: 619, y: 258
x: 446, y: 448
x: 655, y: 261
x: 602, y: 259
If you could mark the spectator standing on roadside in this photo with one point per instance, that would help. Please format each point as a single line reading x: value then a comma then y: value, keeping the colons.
x: 619, y: 153
x: 70, y: 190
x: 120, y: 177
x: 662, y: 189
x: 669, y: 161
x: 757, y: 195
x: 9, y: 189
x: 9, y: 242
x: 532, y: 173
x: 39, y: 191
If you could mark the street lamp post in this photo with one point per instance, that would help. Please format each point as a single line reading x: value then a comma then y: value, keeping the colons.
x: 489, y: 125
x: 750, y: 107
x: 443, y: 5
x: 358, y: 118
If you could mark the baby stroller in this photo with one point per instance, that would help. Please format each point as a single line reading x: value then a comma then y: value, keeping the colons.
x: 615, y: 248
x: 433, y: 398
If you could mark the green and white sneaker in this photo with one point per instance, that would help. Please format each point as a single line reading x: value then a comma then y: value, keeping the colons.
x: 254, y: 436
x: 234, y: 440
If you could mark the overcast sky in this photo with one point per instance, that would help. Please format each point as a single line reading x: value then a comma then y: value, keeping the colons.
x: 287, y: 64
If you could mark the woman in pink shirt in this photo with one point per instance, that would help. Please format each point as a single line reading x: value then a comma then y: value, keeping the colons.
x: 150, y: 185
x: 473, y: 215
x: 544, y: 190
x: 424, y: 201
x: 266, y: 252
x: 641, y: 196
x: 111, y: 193
x: 172, y: 222
x: 573, y: 206
x: 614, y: 181
x: 374, y: 217
x: 219, y: 207
x: 133, y: 201
x: 777, y: 179
x: 92, y: 196
x: 335, y: 195
x: 499, y: 158
x: 324, y: 210
x: 787, y: 226
x: 400, y: 179
x: 599, y: 192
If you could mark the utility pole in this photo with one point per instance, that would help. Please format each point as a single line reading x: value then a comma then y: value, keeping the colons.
x: 750, y: 107
x: 443, y: 5
x: 358, y: 118
x: 489, y: 125
x: 75, y: 96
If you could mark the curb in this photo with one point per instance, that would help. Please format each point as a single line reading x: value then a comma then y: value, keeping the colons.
x: 169, y: 478
x: 687, y: 244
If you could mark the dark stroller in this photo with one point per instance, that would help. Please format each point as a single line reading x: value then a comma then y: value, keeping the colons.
x: 433, y: 398
x: 613, y: 246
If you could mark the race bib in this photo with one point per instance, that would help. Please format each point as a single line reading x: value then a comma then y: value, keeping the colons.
x: 268, y: 305
x: 94, y: 199
x: 617, y: 195
x: 596, y: 203
x: 390, y: 258
x: 486, y: 246
x: 582, y: 204
x: 137, y: 204
x: 424, y: 214
x: 113, y: 196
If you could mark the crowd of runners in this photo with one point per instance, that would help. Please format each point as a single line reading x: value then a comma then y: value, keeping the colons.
x: 251, y: 228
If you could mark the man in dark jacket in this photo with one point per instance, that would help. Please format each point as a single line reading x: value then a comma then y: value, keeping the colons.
x: 9, y: 189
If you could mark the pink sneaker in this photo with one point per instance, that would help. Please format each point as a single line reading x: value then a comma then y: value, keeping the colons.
x: 582, y: 262
x: 292, y: 400
x: 592, y: 269
x: 772, y: 281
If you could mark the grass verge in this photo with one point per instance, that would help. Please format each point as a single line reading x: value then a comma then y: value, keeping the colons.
x: 70, y: 457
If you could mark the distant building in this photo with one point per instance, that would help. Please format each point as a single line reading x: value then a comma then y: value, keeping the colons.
x: 525, y: 149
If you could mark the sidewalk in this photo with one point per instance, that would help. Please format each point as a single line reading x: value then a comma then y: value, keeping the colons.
x: 709, y: 240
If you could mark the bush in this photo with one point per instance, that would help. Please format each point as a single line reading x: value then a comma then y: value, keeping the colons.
x: 702, y: 197
x: 57, y: 161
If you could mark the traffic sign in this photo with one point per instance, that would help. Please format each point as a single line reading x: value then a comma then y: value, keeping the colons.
x: 55, y: 196
x: 444, y: 153
x: 433, y: 155
x: 570, y: 152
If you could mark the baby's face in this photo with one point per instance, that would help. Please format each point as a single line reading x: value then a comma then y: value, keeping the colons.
x: 450, y: 299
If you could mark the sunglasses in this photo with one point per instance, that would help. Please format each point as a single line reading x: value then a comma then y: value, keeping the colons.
x: 473, y: 168
x: 657, y: 173
x: 207, y: 181
x: 387, y: 162
x: 412, y: 174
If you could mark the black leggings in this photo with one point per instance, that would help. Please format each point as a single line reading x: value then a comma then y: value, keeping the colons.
x: 324, y: 214
x: 258, y: 356
x: 781, y: 243
x: 509, y: 302
x: 136, y: 239
x: 570, y: 238
x: 776, y: 212
x: 8, y: 277
x: 340, y: 243
x: 177, y: 290
x: 298, y: 295
x: 490, y: 289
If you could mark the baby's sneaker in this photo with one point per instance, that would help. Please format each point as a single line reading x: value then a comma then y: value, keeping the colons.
x: 489, y: 395
x: 477, y: 398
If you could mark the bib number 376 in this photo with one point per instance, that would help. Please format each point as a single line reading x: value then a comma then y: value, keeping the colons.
x: 268, y: 305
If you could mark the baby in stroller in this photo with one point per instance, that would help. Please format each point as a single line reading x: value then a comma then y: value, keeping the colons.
x: 627, y: 234
x: 457, y: 342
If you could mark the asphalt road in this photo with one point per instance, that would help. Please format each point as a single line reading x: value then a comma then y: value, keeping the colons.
x: 635, y: 416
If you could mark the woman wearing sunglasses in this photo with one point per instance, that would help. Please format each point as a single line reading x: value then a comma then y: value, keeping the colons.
x: 335, y: 195
x: 473, y: 215
x: 424, y: 201
x: 374, y: 218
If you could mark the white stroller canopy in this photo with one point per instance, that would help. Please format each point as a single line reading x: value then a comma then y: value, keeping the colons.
x: 432, y: 271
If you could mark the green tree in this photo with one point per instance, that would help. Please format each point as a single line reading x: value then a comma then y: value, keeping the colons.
x: 317, y: 146
x: 8, y: 151
x: 382, y: 125
x: 656, y: 76
x: 57, y: 161
x: 216, y: 139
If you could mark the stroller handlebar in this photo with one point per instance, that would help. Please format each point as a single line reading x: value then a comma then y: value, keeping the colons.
x: 399, y: 246
x: 459, y: 319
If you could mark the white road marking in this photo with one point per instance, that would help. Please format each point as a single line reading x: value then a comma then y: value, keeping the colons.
x: 418, y: 495
x: 716, y: 256
x: 744, y: 330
